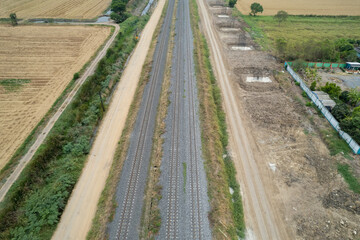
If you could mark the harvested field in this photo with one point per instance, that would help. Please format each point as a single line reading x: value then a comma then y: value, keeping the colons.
x: 70, y: 9
x: 304, y: 7
x: 38, y: 62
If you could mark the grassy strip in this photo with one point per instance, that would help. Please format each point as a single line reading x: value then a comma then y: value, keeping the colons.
x: 107, y: 203
x: 34, y: 204
x: 226, y: 210
x: 334, y: 142
x: 24, y: 147
x: 345, y: 171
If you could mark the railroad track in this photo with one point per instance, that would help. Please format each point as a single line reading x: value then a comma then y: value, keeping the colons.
x: 128, y: 205
x: 183, y: 128
x: 196, y: 221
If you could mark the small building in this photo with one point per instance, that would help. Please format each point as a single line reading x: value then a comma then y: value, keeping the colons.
x: 352, y: 65
x: 325, y: 99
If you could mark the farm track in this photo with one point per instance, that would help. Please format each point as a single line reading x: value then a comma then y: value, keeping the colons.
x: 184, y: 205
x: 41, y: 137
x: 132, y: 182
x: 262, y: 218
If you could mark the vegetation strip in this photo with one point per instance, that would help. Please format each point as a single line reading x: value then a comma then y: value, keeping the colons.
x: 346, y: 172
x: 226, y: 210
x: 107, y: 203
x: 34, y: 204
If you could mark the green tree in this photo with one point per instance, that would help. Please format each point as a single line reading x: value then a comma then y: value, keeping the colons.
x: 281, y: 45
x: 13, y: 19
x: 354, y: 96
x: 332, y: 89
x: 351, y: 125
x: 232, y: 3
x: 344, y: 96
x: 281, y: 16
x: 313, y: 86
x: 256, y: 8
x: 340, y: 111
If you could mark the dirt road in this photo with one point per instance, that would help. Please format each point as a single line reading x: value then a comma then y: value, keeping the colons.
x: 80, y: 210
x: 262, y: 220
x: 41, y: 137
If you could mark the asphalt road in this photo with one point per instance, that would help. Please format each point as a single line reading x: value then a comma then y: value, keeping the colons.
x: 131, y: 186
x: 184, y: 205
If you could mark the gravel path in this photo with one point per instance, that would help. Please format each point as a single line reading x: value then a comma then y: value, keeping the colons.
x: 184, y: 205
x: 130, y: 190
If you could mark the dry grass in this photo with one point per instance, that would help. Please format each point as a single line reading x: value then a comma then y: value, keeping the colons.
x: 46, y: 57
x: 304, y: 7
x: 71, y: 9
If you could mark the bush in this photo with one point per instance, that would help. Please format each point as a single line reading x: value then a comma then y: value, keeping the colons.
x: 313, y: 86
x: 340, y: 111
x: 344, y: 97
x: 232, y: 3
x: 299, y: 65
x: 332, y: 89
x: 76, y: 76
x: 351, y: 125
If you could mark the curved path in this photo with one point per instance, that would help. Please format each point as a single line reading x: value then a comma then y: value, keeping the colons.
x: 41, y: 137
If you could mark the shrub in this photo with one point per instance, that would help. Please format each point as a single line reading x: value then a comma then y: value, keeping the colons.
x: 332, y: 89
x: 232, y: 3
x: 76, y: 76
x: 344, y: 97
x: 340, y: 111
x: 313, y: 86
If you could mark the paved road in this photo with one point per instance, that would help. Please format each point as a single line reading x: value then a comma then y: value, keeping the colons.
x: 131, y: 186
x: 41, y: 137
x: 76, y: 220
x: 184, y: 205
x: 259, y: 214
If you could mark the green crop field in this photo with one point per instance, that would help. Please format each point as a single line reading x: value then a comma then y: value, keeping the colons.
x: 300, y: 32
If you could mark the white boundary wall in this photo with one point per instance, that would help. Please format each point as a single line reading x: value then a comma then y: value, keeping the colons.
x: 353, y: 145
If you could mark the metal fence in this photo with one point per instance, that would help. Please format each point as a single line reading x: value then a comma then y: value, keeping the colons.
x: 352, y: 143
x: 322, y: 64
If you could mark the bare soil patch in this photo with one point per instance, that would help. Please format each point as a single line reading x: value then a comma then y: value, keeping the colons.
x: 304, y: 188
x: 79, y: 9
x: 305, y: 7
x: 46, y: 56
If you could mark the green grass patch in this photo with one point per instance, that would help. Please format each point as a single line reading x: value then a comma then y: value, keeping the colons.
x: 34, y: 204
x: 334, y: 142
x: 184, y: 175
x: 345, y: 171
x: 299, y: 32
x: 11, y: 85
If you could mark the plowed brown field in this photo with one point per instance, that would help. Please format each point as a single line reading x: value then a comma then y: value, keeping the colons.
x: 72, y: 9
x: 46, y: 57
x: 306, y: 7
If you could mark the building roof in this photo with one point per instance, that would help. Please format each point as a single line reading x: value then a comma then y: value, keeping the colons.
x: 353, y: 64
x: 325, y: 99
